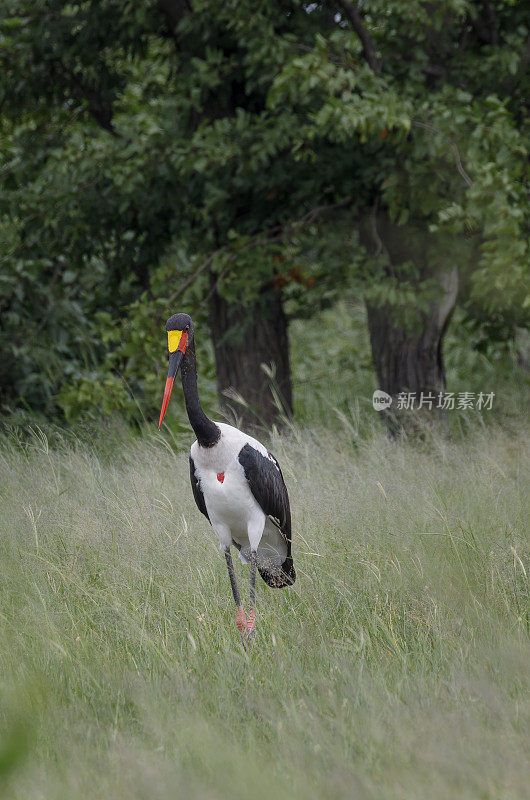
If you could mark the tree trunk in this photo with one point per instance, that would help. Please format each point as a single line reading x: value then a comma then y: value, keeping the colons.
x: 522, y: 348
x: 252, y: 359
x: 410, y: 362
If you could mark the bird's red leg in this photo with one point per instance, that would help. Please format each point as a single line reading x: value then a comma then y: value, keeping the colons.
x: 241, y: 621
x: 251, y: 619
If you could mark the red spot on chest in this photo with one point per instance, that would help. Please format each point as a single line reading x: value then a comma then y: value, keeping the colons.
x: 220, y: 477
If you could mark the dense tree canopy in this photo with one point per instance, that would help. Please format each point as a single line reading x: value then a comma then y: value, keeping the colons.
x: 155, y: 153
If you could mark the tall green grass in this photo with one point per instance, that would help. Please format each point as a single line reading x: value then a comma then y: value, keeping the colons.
x: 396, y: 667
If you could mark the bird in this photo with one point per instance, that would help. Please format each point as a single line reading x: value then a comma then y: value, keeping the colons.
x: 236, y: 483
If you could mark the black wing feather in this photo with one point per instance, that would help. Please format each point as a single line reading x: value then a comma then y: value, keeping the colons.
x: 197, y: 491
x: 268, y: 487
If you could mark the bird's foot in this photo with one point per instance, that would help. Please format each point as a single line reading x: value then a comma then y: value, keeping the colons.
x: 241, y: 620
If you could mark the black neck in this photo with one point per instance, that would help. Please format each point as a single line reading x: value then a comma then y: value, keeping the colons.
x: 206, y: 431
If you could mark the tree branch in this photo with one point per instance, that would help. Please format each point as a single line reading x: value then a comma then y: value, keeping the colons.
x: 97, y: 107
x: 173, y: 11
x: 352, y: 13
x: 275, y: 234
x: 183, y: 286
x: 458, y: 160
x: 278, y: 233
x: 486, y: 24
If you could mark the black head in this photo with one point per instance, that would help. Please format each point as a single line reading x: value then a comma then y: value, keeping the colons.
x: 180, y: 322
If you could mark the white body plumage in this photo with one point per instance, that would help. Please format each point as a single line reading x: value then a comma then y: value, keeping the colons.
x: 232, y: 509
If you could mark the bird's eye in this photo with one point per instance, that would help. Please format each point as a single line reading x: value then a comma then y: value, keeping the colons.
x: 187, y: 328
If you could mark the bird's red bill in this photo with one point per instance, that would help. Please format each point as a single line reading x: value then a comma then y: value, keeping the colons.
x: 165, y: 401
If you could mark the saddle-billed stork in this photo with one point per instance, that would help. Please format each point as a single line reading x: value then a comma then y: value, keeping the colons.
x: 237, y: 484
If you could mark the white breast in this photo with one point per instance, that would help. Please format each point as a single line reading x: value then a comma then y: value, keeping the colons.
x: 231, y: 507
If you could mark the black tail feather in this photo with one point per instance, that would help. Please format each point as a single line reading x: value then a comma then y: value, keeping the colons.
x: 285, y: 576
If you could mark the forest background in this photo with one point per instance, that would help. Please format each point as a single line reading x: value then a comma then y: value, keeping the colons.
x: 336, y: 193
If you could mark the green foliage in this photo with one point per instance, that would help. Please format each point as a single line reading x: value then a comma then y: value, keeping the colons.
x: 140, y: 141
x: 444, y: 139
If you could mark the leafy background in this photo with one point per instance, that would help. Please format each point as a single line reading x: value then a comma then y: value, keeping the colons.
x: 139, y: 140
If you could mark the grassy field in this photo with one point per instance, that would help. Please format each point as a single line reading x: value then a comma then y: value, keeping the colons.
x: 396, y: 667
